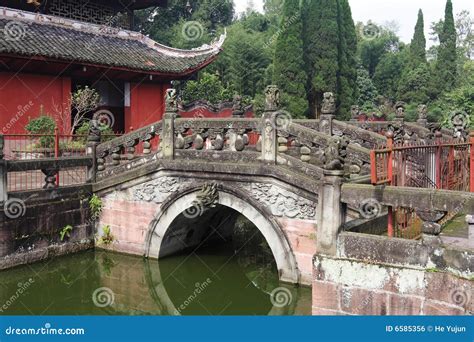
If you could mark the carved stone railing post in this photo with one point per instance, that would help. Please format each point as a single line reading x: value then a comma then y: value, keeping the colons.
x: 422, y: 115
x: 355, y: 112
x: 330, y: 212
x: 328, y: 111
x: 3, y: 173
x: 400, y: 112
x: 237, y: 108
x: 431, y: 227
x: 168, y: 135
x: 93, y: 139
x: 269, y: 126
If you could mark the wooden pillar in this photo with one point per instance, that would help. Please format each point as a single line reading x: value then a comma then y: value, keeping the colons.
x: 471, y: 167
x: 389, y: 135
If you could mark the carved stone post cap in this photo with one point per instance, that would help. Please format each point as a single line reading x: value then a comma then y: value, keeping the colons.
x: 329, y: 103
x: 272, y: 98
x: 389, y: 134
x: 171, y: 100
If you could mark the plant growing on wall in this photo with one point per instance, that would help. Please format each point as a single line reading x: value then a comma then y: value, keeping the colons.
x: 95, y: 205
x: 107, y: 238
x: 65, y: 232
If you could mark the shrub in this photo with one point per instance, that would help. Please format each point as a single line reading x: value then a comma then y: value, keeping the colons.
x: 43, y: 125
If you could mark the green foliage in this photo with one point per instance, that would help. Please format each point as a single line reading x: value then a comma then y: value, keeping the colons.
x: 372, y: 50
x: 208, y: 87
x: 43, y: 125
x: 95, y: 206
x: 414, y: 84
x: 387, y: 74
x: 107, y: 238
x: 418, y: 43
x: 65, y: 232
x: 288, y: 64
x: 367, y: 91
x: 321, y: 41
x: 446, y: 68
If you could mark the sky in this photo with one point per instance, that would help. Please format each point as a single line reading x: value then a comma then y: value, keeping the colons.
x: 404, y: 12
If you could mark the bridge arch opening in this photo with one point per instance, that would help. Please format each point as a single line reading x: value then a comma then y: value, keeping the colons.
x: 174, y: 229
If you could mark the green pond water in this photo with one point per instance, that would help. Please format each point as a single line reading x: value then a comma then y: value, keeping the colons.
x: 211, y: 281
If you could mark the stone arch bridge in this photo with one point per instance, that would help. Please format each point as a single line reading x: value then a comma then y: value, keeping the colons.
x: 179, y: 183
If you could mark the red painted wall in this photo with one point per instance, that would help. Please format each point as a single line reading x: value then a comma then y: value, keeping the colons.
x: 22, y: 95
x: 147, y: 105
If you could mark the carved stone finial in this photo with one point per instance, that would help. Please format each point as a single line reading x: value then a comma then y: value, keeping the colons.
x: 272, y: 98
x: 355, y: 112
x: 94, y: 131
x: 329, y: 104
x: 422, y: 112
x: 335, y: 153
x: 400, y: 110
x: 171, y: 100
x: 237, y: 108
x: 460, y: 122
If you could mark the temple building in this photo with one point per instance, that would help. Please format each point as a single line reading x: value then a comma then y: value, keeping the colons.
x: 50, y: 48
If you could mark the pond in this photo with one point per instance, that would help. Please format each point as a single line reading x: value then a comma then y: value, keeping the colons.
x: 214, y: 280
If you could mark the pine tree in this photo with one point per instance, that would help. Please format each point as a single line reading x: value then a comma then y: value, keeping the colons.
x: 347, y: 77
x: 418, y: 43
x: 289, y: 70
x: 446, y: 64
x: 321, y: 43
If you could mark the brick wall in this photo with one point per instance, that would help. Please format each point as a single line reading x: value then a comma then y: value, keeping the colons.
x: 342, y: 286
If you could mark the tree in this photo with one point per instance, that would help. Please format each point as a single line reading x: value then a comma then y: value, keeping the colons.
x: 446, y: 68
x: 465, y: 34
x: 367, y: 91
x: 418, y: 43
x: 373, y: 47
x: 387, y: 74
x: 414, y: 84
x: 208, y: 87
x: 288, y: 65
x: 347, y: 78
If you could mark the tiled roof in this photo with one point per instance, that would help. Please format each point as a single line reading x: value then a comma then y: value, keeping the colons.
x: 33, y: 35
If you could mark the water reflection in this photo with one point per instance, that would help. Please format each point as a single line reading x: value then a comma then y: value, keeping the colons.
x: 211, y: 282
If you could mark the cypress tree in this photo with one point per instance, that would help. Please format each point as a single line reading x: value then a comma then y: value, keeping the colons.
x: 418, y: 43
x: 321, y: 43
x: 347, y: 77
x: 289, y: 69
x: 446, y: 65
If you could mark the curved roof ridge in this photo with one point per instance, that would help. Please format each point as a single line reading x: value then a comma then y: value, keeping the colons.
x: 109, y: 31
